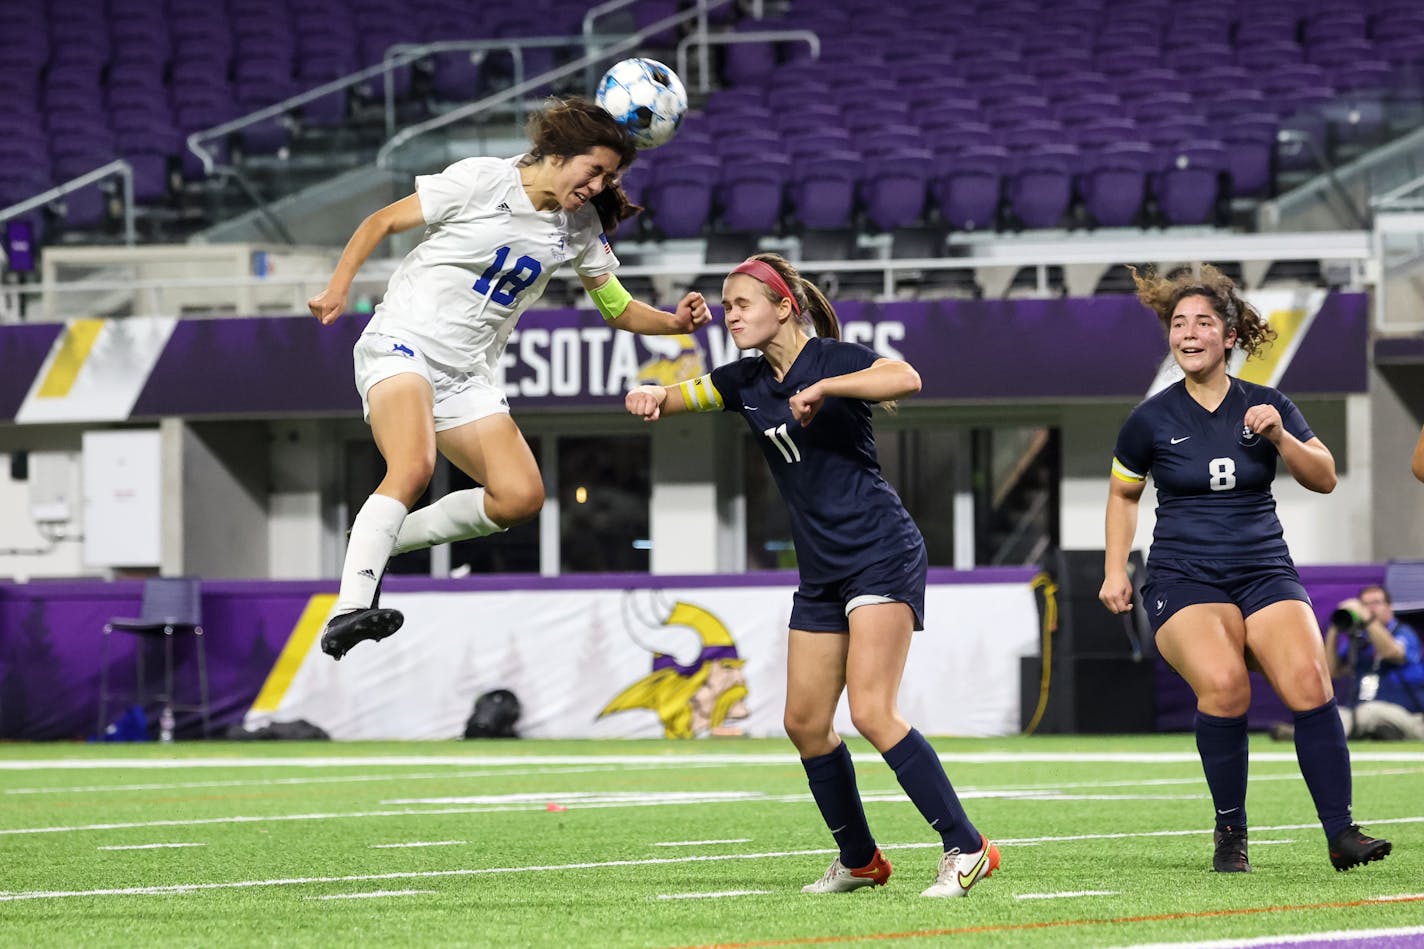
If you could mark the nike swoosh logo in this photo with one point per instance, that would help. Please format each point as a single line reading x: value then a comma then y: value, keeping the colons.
x: 750, y: 408
x: 1182, y: 439
x: 966, y: 880
x: 839, y: 829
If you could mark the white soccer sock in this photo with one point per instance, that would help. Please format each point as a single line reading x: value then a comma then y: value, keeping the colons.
x: 372, y: 535
x: 459, y: 515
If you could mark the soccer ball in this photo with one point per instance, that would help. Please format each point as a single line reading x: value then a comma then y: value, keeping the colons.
x: 646, y: 98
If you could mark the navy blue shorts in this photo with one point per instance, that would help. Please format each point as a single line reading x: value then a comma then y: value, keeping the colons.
x: 821, y: 607
x: 1251, y: 585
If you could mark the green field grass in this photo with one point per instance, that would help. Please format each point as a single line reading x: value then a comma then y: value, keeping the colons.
x: 1105, y: 841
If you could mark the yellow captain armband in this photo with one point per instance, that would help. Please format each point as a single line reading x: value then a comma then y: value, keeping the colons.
x: 700, y: 395
x: 611, y: 299
x: 1123, y: 473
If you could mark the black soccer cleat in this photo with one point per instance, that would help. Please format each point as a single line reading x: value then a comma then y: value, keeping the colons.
x: 1351, y: 847
x: 1230, y: 856
x: 344, y: 631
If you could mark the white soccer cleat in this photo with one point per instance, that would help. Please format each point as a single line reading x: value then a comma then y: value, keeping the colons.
x: 959, y: 871
x: 842, y: 879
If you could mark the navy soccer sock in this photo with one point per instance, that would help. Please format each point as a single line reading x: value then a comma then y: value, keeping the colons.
x: 1222, y: 744
x: 919, y: 772
x: 832, y: 780
x: 1325, y: 764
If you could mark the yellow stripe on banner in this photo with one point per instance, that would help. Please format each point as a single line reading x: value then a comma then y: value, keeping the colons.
x: 1263, y: 368
x: 79, y: 337
x: 284, y: 670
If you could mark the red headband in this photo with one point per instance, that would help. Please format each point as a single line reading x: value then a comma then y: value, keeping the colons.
x: 766, y: 273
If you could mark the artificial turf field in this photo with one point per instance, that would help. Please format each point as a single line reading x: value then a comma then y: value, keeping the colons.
x: 1105, y: 841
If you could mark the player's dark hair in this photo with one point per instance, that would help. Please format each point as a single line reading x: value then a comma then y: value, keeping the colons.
x: 815, y: 308
x: 1162, y: 294
x: 575, y: 126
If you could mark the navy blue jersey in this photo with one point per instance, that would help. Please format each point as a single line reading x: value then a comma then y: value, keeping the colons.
x: 1213, y: 477
x: 844, y: 515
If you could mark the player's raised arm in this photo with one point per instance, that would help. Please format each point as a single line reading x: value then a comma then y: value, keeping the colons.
x: 885, y: 380
x: 621, y: 310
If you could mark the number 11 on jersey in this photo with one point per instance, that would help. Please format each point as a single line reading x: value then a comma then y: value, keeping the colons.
x: 782, y: 440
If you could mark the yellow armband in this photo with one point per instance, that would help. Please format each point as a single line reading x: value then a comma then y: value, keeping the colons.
x: 700, y: 395
x: 1123, y: 473
x: 611, y: 299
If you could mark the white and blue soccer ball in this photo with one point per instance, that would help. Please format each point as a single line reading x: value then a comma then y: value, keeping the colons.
x: 646, y: 98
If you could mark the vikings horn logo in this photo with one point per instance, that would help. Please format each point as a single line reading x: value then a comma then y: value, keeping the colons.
x: 697, y: 683
x: 674, y: 358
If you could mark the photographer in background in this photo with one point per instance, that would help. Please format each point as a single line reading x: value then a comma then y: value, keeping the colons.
x: 1383, y: 658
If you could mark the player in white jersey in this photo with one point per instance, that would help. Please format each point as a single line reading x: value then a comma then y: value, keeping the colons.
x: 495, y: 231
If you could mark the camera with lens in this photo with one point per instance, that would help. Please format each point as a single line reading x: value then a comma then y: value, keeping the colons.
x: 1346, y: 617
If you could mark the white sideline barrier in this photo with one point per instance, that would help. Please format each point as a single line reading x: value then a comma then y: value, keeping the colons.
x: 568, y: 654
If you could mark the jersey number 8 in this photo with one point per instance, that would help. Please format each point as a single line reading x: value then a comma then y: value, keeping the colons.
x: 512, y: 282
x: 1223, y: 474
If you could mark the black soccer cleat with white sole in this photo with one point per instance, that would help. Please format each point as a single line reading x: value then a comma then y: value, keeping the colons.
x: 1351, y: 847
x: 344, y: 631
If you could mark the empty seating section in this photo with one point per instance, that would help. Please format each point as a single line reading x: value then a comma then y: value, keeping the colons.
x: 960, y: 114
x: 84, y: 82
x: 1010, y: 114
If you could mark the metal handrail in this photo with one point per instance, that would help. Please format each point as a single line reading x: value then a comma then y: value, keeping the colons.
x: 724, y: 39
x: 630, y: 42
x: 1349, y: 246
x: 1391, y: 200
x: 116, y: 167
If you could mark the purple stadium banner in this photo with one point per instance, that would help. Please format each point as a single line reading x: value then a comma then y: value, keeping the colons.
x: 965, y: 350
x: 51, y: 641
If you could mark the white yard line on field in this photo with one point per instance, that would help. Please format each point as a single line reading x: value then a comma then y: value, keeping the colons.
x: 373, y: 894
x: 667, y: 760
x: 149, y: 846
x: 1350, y: 936
x: 712, y: 896
x: 702, y: 843
x: 419, y: 843
x: 600, y: 865
x: 1064, y: 896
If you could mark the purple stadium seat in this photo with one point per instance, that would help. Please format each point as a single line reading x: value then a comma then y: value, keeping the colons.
x: 968, y: 187
x: 1280, y: 82
x: 1157, y: 105
x: 86, y: 209
x: 808, y: 147
x: 1331, y: 53
x: 1113, y: 182
x: 947, y: 115
x: 1215, y: 80
x: 748, y: 63
x: 888, y: 138
x: 1225, y: 105
x: 751, y: 193
x: 1103, y: 131
x: 1304, y: 115
x: 1081, y: 83
x: 1331, y: 25
x: 798, y: 95
x: 1173, y: 131
x: 680, y: 195
x: 1266, y: 55
x: 807, y: 119
x: 1363, y: 75
x: 1040, y: 186
x: 1009, y: 112
x: 1188, y: 182
x: 950, y: 141
x: 1065, y: 61
x: 1405, y: 53
x: 1115, y: 61
x: 735, y: 100
x: 1266, y: 27
x: 1031, y: 134
x: 822, y: 193
x: 1087, y: 108
x: 1251, y: 148
x: 895, y: 186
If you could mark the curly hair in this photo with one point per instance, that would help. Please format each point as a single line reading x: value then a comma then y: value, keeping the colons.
x: 1162, y: 294
x: 574, y: 126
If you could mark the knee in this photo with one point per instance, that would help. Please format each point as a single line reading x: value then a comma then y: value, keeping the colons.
x: 878, y: 723
x: 408, y: 478
x: 811, y: 734
x: 516, y: 504
x: 1227, y: 694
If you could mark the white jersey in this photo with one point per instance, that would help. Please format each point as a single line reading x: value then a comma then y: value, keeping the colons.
x: 486, y: 257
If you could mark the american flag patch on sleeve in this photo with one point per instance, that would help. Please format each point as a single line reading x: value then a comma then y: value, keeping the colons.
x: 607, y: 247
